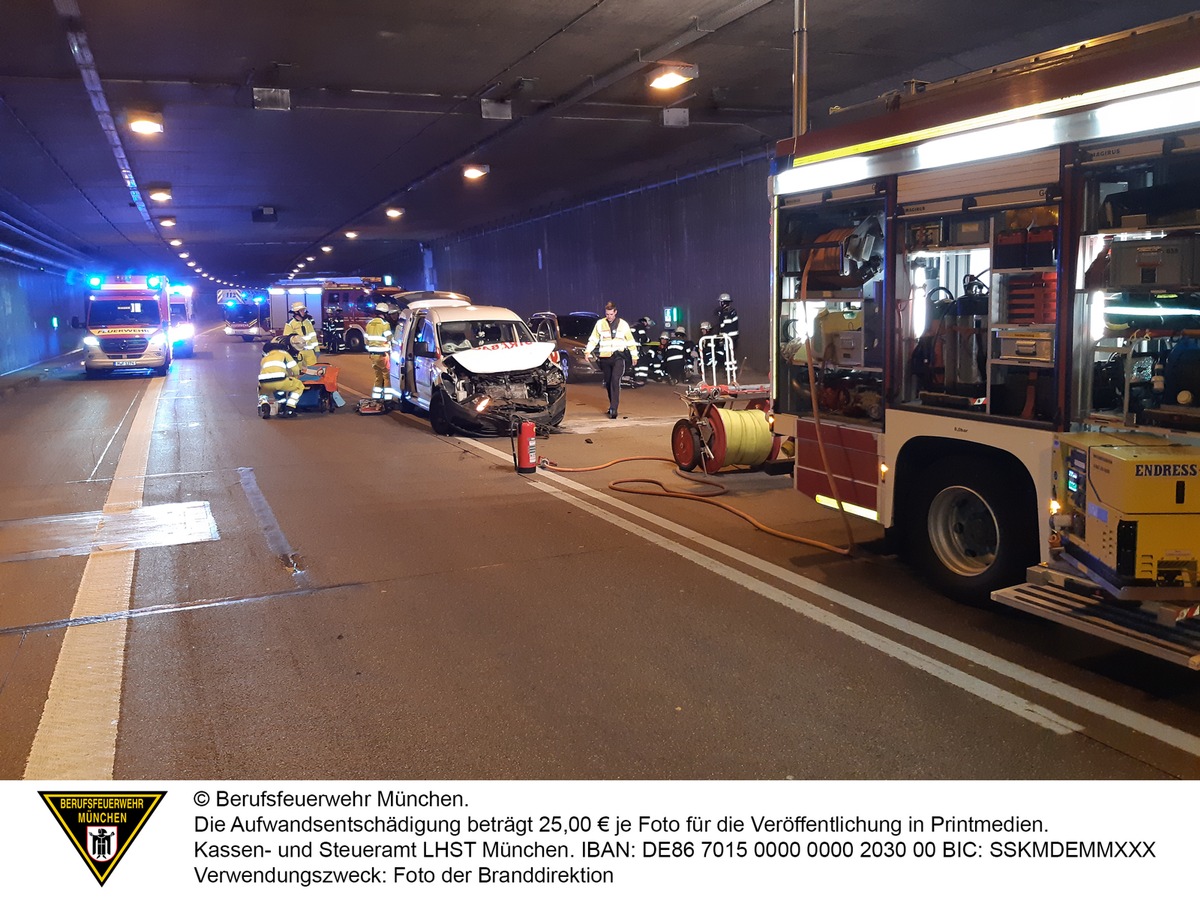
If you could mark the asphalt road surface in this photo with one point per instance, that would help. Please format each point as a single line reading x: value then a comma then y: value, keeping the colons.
x: 188, y: 591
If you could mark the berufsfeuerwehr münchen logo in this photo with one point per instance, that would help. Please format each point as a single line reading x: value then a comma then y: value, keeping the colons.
x: 102, y: 826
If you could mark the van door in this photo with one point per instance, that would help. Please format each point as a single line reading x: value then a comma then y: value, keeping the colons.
x: 424, y: 360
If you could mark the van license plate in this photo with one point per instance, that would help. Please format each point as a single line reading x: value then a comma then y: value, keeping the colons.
x: 126, y: 362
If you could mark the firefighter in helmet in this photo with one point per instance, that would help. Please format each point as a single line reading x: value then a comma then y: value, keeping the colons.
x: 301, y: 324
x: 379, y: 347
x: 727, y: 320
x: 279, y: 371
x: 676, y: 355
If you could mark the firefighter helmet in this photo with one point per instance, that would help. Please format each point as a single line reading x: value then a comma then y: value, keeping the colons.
x: 299, y: 308
x: 664, y: 336
x: 383, y: 308
x: 681, y: 331
x: 724, y: 299
x: 706, y: 326
x: 296, y: 344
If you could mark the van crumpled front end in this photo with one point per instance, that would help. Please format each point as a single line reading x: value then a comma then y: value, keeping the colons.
x: 489, y: 403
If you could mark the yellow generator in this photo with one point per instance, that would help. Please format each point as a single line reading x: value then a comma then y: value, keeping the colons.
x: 1125, y: 543
x: 1129, y: 509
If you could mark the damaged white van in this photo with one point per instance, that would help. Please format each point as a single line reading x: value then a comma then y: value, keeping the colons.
x: 475, y: 369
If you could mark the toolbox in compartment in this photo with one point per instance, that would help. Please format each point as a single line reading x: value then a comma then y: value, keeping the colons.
x: 1029, y: 344
x: 1033, y: 299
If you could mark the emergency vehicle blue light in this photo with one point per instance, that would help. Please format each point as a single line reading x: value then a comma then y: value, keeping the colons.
x: 95, y: 280
x: 153, y: 281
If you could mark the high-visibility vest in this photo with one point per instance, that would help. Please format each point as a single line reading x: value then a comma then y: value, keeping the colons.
x: 277, y: 365
x: 379, y: 335
x: 612, y: 339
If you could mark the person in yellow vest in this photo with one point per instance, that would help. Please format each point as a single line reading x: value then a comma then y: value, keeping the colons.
x: 279, y: 371
x: 612, y: 339
x: 379, y: 347
x: 302, y: 324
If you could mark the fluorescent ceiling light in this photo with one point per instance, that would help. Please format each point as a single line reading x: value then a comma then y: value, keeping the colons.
x: 671, y: 75
x: 475, y: 171
x: 143, y: 122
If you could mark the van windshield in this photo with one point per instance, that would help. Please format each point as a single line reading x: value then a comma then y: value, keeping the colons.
x: 456, y: 336
x: 123, y: 312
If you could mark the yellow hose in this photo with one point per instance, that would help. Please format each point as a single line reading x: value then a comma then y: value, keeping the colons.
x: 748, y: 437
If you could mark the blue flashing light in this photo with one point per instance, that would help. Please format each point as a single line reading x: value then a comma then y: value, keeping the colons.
x: 153, y: 280
x: 54, y: 321
x: 95, y: 280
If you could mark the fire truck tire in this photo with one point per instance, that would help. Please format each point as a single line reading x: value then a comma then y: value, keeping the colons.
x: 971, y: 528
x: 437, y: 414
x: 354, y: 340
x: 685, y: 445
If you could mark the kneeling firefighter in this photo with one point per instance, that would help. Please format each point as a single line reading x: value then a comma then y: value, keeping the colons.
x: 279, y: 371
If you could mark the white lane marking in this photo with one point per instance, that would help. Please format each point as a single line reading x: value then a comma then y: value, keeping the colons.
x: 116, y: 431
x: 1004, y: 699
x: 1090, y: 703
x: 77, y: 734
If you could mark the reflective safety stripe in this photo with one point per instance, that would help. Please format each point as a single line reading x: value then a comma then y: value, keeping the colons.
x: 379, y: 336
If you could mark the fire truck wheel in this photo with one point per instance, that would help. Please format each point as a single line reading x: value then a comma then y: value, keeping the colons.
x: 972, y: 527
x: 437, y: 414
x: 354, y: 340
x: 685, y: 445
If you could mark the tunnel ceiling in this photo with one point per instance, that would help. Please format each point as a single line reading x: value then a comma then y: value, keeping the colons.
x: 287, y: 123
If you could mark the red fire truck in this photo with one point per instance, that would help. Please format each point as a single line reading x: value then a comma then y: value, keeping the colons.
x: 987, y: 331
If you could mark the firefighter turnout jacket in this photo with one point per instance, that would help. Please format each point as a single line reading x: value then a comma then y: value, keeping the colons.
x: 279, y: 371
x: 379, y: 345
x: 308, y: 333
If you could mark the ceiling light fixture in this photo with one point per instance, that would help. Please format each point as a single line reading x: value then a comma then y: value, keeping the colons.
x: 176, y: 242
x: 184, y: 255
x: 326, y: 249
x: 671, y: 75
x: 192, y: 263
x: 311, y: 258
x: 475, y: 171
x: 167, y: 221
x: 394, y: 212
x: 144, y: 122
x: 352, y: 234
x: 159, y: 192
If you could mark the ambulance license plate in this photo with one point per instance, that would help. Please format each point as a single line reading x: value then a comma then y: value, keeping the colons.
x: 126, y: 362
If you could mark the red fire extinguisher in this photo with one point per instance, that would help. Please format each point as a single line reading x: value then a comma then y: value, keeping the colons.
x: 526, y: 453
